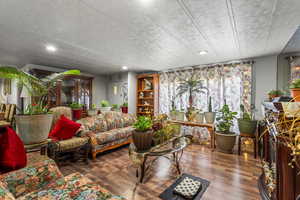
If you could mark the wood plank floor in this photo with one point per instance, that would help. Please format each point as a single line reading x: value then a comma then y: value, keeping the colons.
x: 231, y: 177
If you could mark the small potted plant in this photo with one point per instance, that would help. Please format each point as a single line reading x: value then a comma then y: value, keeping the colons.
x: 210, y: 115
x: 274, y: 93
x: 104, y: 106
x: 124, y: 107
x: 93, y: 111
x: 76, y: 110
x: 115, y: 107
x: 246, y: 123
x: 142, y: 135
x: 224, y: 137
x: 295, y: 90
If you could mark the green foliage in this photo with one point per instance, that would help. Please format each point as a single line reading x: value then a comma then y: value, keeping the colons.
x: 275, y: 92
x: 104, y: 103
x: 190, y: 86
x: 76, y: 105
x: 209, y: 105
x: 115, y: 106
x: 143, y: 124
x: 295, y: 84
x: 225, y: 120
x: 125, y: 104
x: 245, y: 115
x: 93, y: 107
x: 36, y: 109
x: 36, y: 87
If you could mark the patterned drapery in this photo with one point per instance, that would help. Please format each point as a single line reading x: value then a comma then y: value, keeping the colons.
x: 230, y: 83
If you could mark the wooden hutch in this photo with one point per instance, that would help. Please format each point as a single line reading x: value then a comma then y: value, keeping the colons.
x: 147, y: 95
x: 278, y: 181
x: 73, y: 88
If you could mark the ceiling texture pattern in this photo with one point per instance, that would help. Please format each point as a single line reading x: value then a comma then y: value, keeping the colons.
x: 100, y: 36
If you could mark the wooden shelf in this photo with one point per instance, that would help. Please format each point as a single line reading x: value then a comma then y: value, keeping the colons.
x: 149, y: 113
x: 140, y: 105
x: 145, y: 90
x: 145, y: 97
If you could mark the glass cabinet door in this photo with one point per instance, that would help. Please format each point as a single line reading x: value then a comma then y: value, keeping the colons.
x: 68, y: 91
x: 85, y: 92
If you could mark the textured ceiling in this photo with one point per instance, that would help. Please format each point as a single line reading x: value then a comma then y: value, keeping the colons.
x: 100, y: 36
x: 293, y: 46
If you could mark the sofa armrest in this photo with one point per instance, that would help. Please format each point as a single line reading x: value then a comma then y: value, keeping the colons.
x: 31, y: 178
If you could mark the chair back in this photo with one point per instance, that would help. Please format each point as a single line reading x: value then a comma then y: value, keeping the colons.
x: 12, y: 112
x: 58, y: 111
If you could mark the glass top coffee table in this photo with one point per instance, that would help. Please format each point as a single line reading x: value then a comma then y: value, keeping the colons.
x: 174, y: 147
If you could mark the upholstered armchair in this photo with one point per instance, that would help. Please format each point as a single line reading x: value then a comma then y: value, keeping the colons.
x: 78, y: 147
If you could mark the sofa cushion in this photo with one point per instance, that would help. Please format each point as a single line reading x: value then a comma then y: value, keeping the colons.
x: 114, y: 134
x: 12, y: 151
x: 95, y: 123
x: 113, y: 120
x: 128, y: 119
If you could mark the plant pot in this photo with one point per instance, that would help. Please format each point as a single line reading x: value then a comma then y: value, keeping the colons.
x: 105, y: 109
x: 142, y: 140
x: 180, y: 116
x: 296, y: 94
x: 173, y: 115
x: 33, y: 129
x: 272, y: 96
x: 92, y: 112
x: 247, y: 126
x: 210, y: 117
x: 225, y: 142
x: 76, y: 113
x: 199, y: 118
x: 124, y: 109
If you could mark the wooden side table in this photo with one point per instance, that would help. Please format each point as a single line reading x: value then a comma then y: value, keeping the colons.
x: 210, y: 128
x: 42, y: 147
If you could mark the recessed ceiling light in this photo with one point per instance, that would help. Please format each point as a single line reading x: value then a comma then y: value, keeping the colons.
x: 203, y: 52
x: 124, y: 68
x: 51, y: 48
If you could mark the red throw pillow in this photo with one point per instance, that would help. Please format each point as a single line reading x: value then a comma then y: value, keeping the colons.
x: 12, y: 151
x: 64, y: 129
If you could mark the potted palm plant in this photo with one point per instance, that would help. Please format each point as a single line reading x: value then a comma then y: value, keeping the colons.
x: 142, y: 135
x: 76, y: 110
x: 224, y: 137
x: 191, y: 86
x: 124, y: 107
x: 33, y: 125
x: 246, y: 123
x: 104, y: 106
x: 295, y: 90
x: 210, y: 115
x: 93, y: 110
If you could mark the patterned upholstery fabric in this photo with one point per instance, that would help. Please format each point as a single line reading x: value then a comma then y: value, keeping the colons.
x: 4, y: 123
x: 114, y: 134
x: 95, y: 123
x: 97, y: 147
x: 6, y: 112
x: 72, y: 143
x: 45, y: 182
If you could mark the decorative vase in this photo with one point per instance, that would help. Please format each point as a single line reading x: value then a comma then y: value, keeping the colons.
x: 92, y: 112
x: 33, y: 129
x: 76, y: 113
x: 247, y: 126
x: 142, y: 140
x: 124, y: 109
x: 105, y: 109
x: 199, y: 118
x: 296, y: 94
x: 210, y: 117
x: 225, y: 142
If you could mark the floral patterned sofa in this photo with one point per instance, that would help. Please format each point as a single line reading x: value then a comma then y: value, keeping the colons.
x: 41, y: 179
x: 107, y: 131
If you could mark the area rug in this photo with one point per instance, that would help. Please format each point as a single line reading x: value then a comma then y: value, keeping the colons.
x: 169, y: 195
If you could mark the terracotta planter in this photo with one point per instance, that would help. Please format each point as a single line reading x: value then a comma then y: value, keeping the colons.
x: 142, y: 140
x: 77, y: 113
x: 124, y: 109
x: 210, y: 117
x: 247, y: 126
x: 225, y: 142
x: 296, y: 94
x: 33, y: 129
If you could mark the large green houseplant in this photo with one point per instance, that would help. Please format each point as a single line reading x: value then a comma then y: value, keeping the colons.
x: 246, y: 123
x: 224, y: 137
x: 191, y: 86
x: 33, y: 125
x: 142, y: 135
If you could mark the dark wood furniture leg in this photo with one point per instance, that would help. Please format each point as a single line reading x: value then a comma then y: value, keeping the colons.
x: 239, y: 145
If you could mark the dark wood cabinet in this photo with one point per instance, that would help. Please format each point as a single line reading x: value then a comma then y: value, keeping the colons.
x: 73, y: 88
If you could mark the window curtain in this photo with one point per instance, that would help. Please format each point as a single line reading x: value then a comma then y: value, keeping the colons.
x: 230, y: 83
